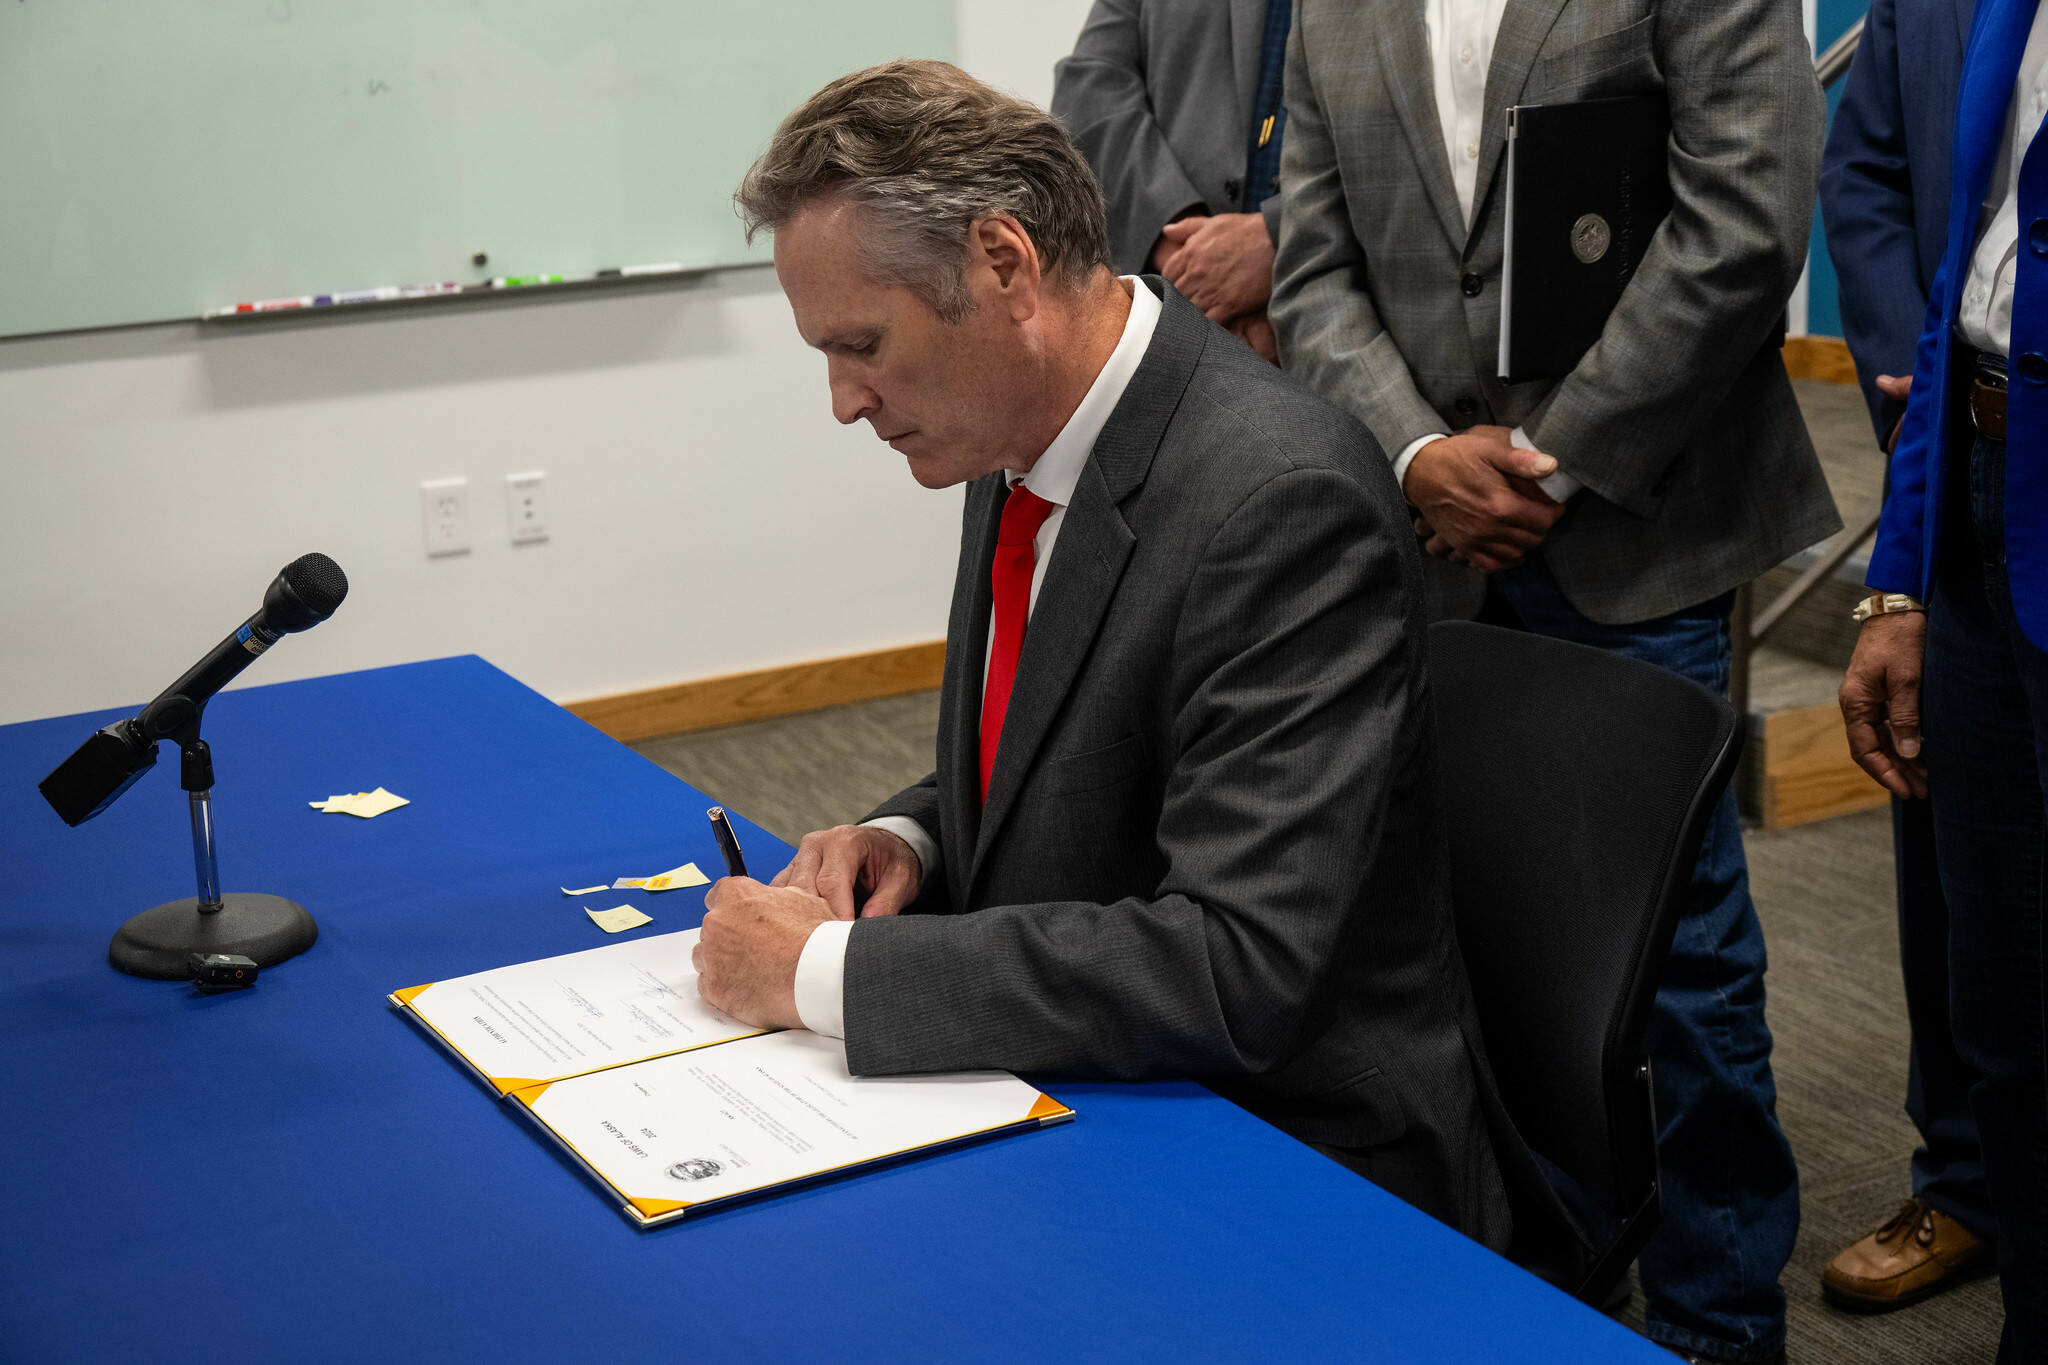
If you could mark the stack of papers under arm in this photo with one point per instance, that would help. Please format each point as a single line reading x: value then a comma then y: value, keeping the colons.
x: 676, y: 1108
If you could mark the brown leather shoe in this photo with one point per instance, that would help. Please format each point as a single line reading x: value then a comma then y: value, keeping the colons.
x: 1918, y: 1251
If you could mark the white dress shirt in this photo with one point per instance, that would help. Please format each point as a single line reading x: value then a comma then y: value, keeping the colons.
x: 821, y: 970
x: 1984, y: 317
x: 1461, y: 34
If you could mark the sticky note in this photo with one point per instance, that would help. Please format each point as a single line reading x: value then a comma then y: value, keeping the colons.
x: 686, y: 875
x: 375, y: 803
x: 629, y: 883
x: 617, y: 920
x: 363, y: 804
x: 584, y: 890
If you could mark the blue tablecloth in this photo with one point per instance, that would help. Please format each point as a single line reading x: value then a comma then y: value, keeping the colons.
x: 291, y: 1173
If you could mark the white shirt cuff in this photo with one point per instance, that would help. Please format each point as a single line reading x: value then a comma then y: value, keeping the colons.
x: 1558, y: 485
x: 821, y: 979
x: 1408, y: 454
x: 920, y: 840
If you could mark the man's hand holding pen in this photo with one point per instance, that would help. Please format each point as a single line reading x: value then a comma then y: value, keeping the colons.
x: 746, y: 954
x: 754, y: 935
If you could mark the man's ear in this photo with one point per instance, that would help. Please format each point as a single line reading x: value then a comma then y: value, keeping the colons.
x: 1005, y: 258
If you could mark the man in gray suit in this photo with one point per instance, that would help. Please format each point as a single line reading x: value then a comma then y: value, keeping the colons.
x: 1177, y: 106
x: 1619, y: 505
x: 1184, y: 824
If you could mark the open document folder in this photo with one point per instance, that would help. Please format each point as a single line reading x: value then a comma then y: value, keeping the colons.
x: 677, y: 1108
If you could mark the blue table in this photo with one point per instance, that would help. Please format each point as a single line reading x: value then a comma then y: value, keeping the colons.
x: 291, y: 1173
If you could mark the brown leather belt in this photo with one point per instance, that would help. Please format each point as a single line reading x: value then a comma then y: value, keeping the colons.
x: 1987, y: 397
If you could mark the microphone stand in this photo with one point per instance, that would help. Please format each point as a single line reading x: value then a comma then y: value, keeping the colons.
x: 266, y: 929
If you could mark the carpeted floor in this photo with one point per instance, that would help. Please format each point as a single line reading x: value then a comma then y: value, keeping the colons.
x: 1825, y: 894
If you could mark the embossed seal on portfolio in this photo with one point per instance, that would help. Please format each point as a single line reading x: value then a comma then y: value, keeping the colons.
x: 1590, y: 236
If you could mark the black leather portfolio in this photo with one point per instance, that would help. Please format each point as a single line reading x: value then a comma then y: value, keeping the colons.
x: 1587, y: 184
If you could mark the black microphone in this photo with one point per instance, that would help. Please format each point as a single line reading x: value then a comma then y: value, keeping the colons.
x: 303, y: 594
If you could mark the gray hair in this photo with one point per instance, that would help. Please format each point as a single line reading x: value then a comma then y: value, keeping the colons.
x: 924, y: 150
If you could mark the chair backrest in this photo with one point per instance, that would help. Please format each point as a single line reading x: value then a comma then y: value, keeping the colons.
x: 1577, y: 787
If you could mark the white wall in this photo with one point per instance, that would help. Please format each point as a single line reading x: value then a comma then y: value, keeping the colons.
x: 706, y: 515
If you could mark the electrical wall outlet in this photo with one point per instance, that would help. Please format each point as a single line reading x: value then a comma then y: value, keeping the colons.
x: 444, y: 513
x: 524, y: 508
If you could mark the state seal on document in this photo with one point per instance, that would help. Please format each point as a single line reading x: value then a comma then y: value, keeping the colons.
x: 1590, y: 236
x: 695, y: 1168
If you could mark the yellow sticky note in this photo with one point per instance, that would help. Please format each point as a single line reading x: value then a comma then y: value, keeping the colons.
x: 629, y: 883
x: 618, y: 920
x: 374, y: 803
x: 584, y: 890
x: 686, y: 875
x: 363, y: 804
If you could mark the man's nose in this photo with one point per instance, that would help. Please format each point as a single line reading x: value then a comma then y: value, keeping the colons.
x: 852, y: 400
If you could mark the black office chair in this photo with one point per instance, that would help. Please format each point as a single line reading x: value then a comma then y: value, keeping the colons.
x: 1577, y: 787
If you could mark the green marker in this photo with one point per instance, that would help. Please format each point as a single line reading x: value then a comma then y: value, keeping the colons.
x: 515, y: 281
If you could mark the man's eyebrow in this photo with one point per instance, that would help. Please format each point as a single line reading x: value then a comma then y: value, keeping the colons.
x: 846, y: 338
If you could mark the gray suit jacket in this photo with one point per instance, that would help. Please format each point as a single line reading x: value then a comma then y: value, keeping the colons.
x: 1212, y: 845
x: 1158, y: 95
x: 1680, y: 421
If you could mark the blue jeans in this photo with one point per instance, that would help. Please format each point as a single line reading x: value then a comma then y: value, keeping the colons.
x: 1985, y: 704
x: 1730, y: 1191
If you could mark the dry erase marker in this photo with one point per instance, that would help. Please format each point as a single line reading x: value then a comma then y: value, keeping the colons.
x: 389, y: 291
x: 516, y: 281
x: 275, y: 305
x: 421, y: 291
x: 613, y: 272
x: 728, y: 846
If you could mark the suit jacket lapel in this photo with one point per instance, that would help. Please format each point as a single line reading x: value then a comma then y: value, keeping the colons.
x: 1404, y: 58
x: 1524, y: 24
x: 1088, y: 560
x: 960, y: 690
x: 1247, y: 43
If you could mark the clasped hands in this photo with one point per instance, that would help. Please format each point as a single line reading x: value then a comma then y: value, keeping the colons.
x: 1478, y: 498
x: 1223, y: 264
x: 753, y: 935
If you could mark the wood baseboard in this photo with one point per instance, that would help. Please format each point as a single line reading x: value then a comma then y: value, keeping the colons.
x: 768, y: 692
x: 1799, y: 769
x: 1819, y: 358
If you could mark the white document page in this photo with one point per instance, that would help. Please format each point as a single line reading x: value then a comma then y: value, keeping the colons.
x: 563, y: 1016
x: 725, y: 1121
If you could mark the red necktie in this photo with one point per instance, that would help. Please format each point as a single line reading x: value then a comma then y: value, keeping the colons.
x: 1010, y: 584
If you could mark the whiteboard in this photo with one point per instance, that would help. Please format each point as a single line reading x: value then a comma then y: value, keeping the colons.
x: 158, y: 160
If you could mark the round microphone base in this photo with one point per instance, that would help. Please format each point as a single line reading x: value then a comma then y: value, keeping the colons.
x: 264, y: 929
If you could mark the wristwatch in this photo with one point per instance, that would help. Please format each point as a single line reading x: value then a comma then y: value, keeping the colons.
x: 1883, y: 604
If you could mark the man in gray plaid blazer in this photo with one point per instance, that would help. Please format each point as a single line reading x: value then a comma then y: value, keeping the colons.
x: 1619, y: 505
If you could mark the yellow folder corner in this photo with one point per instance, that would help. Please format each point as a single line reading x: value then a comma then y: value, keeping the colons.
x: 1047, y: 1108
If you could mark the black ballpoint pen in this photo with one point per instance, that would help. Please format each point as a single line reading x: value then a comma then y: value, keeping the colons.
x: 728, y: 846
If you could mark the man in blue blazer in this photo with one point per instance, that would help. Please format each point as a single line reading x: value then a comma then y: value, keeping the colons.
x: 1965, y: 532
x: 1884, y: 190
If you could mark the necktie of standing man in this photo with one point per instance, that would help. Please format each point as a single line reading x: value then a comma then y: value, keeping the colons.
x: 1010, y: 584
